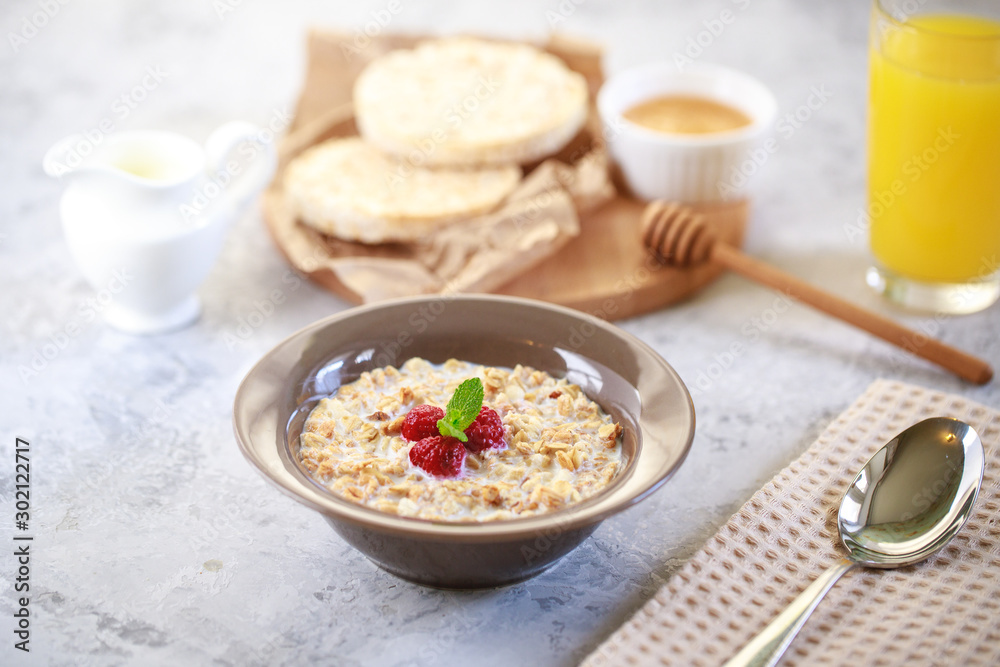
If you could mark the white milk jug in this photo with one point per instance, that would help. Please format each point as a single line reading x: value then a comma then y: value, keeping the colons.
x: 148, y: 211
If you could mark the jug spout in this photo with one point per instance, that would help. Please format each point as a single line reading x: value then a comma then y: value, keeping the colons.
x: 68, y: 155
x: 148, y: 158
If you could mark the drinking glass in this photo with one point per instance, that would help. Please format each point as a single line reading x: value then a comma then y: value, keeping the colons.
x: 934, y: 153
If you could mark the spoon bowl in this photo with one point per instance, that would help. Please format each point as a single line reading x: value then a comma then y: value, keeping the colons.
x: 907, y: 502
x: 913, y: 495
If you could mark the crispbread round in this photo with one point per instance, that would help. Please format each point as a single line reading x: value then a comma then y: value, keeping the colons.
x: 467, y: 101
x: 349, y: 189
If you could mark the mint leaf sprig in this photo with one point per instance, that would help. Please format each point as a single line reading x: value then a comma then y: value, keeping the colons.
x: 462, y: 409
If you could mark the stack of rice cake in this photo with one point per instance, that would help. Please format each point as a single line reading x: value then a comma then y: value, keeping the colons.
x: 445, y: 129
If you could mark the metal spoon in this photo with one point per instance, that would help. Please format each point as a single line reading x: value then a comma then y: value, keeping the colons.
x: 907, y: 502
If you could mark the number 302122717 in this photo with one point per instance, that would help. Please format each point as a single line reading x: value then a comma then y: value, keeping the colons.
x: 22, y: 484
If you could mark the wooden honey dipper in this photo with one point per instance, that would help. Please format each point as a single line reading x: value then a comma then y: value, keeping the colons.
x: 680, y: 237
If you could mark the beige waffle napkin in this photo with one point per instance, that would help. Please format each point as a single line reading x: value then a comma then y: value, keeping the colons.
x: 945, y: 611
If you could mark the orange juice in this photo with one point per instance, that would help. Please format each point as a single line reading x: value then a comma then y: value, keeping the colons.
x: 934, y: 147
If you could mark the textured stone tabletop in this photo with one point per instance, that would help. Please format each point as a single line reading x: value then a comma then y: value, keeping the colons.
x: 155, y: 543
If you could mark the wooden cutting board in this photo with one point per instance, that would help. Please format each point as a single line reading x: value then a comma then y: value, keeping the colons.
x: 607, y: 272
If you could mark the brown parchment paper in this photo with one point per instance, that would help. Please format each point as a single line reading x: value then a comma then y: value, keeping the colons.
x: 479, y: 254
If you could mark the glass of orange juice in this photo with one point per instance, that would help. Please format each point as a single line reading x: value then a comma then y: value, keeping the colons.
x: 934, y: 153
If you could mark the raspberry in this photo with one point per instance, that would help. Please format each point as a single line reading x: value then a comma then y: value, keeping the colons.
x: 439, y: 456
x: 421, y: 422
x: 486, y: 432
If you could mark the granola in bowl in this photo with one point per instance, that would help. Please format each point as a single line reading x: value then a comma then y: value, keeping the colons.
x: 557, y: 447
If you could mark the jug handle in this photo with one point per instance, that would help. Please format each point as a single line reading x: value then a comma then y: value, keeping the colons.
x: 256, y: 173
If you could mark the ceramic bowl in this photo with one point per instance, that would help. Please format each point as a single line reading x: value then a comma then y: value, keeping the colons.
x: 692, y: 168
x: 622, y: 374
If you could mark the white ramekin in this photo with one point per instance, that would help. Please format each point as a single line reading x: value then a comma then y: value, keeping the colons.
x: 688, y: 168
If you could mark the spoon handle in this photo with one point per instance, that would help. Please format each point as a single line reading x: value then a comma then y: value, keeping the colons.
x: 766, y: 648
